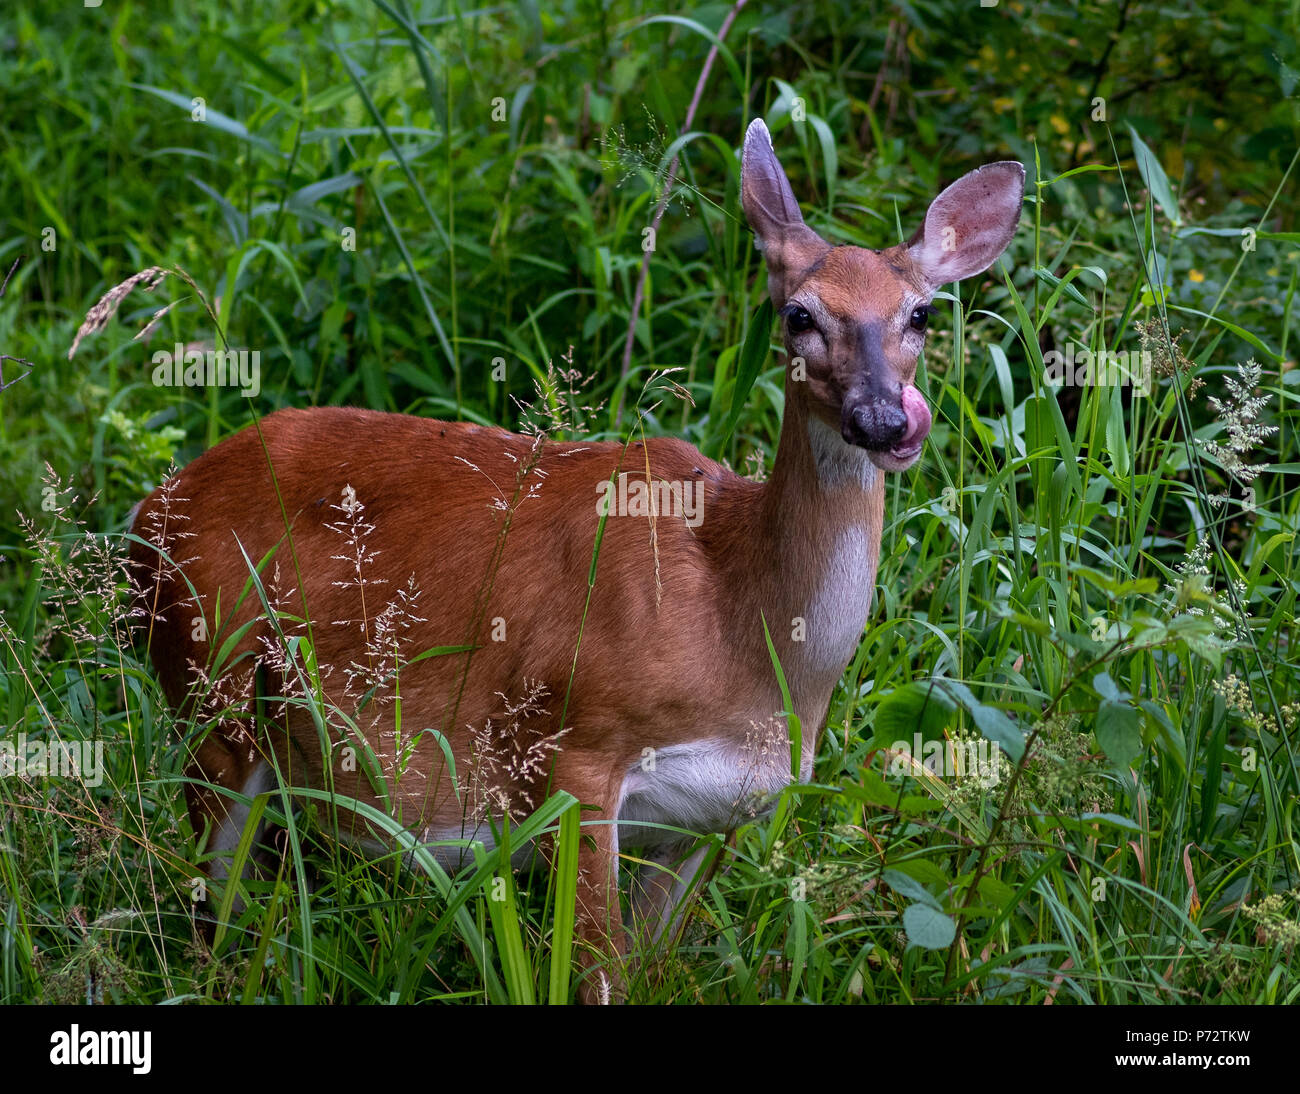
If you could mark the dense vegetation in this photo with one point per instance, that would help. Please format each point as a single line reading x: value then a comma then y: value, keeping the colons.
x: 440, y: 210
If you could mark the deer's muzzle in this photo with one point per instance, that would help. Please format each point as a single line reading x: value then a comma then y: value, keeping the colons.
x: 891, y: 429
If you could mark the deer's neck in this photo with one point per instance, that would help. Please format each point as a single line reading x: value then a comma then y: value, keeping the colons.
x: 819, y: 537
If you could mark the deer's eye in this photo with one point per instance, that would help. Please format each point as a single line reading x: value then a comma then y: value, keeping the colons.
x: 799, y: 320
x: 920, y: 317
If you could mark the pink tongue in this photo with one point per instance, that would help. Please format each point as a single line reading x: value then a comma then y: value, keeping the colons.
x: 918, y: 417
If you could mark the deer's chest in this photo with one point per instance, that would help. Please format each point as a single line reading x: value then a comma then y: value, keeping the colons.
x: 840, y: 600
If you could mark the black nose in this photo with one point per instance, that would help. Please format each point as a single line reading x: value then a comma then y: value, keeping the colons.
x: 875, y: 425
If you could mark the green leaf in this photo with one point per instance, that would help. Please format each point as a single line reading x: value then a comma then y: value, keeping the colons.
x: 1079, y: 171
x: 1119, y: 732
x: 1113, y: 819
x: 915, y: 707
x: 1052, y: 281
x: 928, y: 927
x: 566, y: 891
x: 922, y: 870
x: 793, y: 724
x: 1170, y: 738
x: 503, y: 910
x: 998, y: 893
x: 312, y: 193
x: 909, y: 887
x: 1105, y: 686
x: 830, y: 157
x: 999, y: 729
x: 757, y: 340
x: 872, y: 789
x: 728, y: 58
x: 1155, y: 178
x: 213, y: 118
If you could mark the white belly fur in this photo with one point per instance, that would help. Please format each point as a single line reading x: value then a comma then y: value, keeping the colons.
x: 710, y: 785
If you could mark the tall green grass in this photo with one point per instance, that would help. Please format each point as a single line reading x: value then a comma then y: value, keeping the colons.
x: 1055, y: 576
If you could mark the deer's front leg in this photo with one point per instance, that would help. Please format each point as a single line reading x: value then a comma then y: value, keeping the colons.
x: 599, y: 920
x: 660, y: 893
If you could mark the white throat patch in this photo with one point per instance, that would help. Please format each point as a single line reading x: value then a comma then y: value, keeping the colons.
x: 839, y: 464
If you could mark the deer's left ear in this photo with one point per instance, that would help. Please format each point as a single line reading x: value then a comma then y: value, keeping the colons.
x: 969, y: 224
x: 789, y: 246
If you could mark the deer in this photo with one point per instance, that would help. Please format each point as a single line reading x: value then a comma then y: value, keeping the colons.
x: 634, y: 673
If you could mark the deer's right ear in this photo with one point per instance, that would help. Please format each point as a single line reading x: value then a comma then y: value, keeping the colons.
x: 970, y: 223
x: 789, y: 246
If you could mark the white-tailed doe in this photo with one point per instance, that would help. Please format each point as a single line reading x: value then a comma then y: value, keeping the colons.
x: 386, y: 536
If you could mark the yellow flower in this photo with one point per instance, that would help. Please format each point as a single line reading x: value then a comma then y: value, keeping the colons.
x: 1059, y: 124
x: 1196, y: 275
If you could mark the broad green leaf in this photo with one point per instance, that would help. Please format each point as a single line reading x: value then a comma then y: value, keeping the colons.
x: 928, y: 927
x: 1119, y: 732
x: 914, y: 708
x: 909, y: 887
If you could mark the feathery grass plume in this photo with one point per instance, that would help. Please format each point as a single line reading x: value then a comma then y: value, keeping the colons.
x: 370, y: 682
x: 355, y: 530
x: 765, y: 761
x: 1239, y: 414
x: 164, y: 529
x: 384, y: 646
x: 1195, y: 594
x: 529, y: 478
x: 93, y: 973
x: 1167, y: 357
x: 658, y: 384
x: 755, y: 465
x: 276, y: 647
x: 103, y: 311
x: 224, y: 701
x: 510, y: 762
x: 145, y: 334
x: 84, y: 575
x: 634, y: 160
x: 559, y: 408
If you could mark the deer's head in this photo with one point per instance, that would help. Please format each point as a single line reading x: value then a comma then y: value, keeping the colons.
x: 857, y: 317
